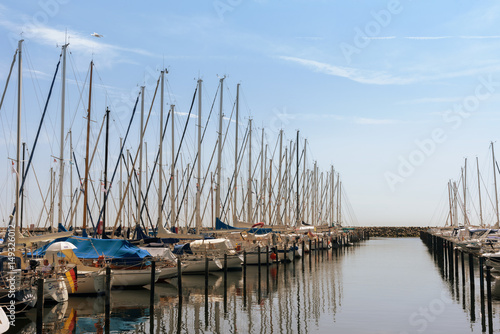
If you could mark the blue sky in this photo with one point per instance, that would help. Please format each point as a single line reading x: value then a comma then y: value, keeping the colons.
x: 364, y: 82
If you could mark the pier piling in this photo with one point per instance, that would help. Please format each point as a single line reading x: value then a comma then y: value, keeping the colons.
x: 39, y: 306
x: 179, y: 279
x: 152, y: 292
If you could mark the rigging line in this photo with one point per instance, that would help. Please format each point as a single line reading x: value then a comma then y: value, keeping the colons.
x: 180, y: 146
x: 118, y: 162
x: 8, y: 78
x: 130, y: 172
x: 83, y: 190
x: 155, y: 164
x: 35, y: 142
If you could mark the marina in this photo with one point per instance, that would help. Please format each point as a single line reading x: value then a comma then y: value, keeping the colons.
x: 249, y: 167
x: 327, y: 291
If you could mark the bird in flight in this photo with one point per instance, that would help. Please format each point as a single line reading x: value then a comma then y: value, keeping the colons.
x: 96, y: 35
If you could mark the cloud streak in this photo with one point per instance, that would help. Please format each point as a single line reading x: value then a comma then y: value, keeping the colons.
x: 361, y: 76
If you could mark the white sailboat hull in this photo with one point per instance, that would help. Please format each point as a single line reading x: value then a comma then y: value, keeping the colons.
x: 131, y: 278
x: 91, y: 282
x: 54, y: 289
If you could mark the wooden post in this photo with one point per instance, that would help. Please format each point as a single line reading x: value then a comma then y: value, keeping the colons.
x: 39, y: 306
x: 245, y: 277
x: 107, y: 299
x: 225, y: 282
x: 471, y: 274
x: 179, y: 279
x: 153, y: 280
x: 488, y: 296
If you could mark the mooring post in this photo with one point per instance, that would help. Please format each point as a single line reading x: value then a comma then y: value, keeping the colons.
x: 107, y: 299
x: 245, y: 277
x: 303, y: 251
x: 450, y: 259
x: 481, y: 279
x: 463, y: 267
x: 294, y: 251
x: 206, y: 284
x: 258, y: 259
x: 455, y: 251
x: 225, y: 282
x: 153, y: 280
x: 471, y: 273
x: 488, y: 297
x: 39, y: 305
x: 179, y: 279
x: 285, y: 250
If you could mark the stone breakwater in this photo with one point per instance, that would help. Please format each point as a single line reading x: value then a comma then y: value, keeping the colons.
x: 393, y: 231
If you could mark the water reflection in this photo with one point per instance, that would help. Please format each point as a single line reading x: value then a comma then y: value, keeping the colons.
x: 376, y: 286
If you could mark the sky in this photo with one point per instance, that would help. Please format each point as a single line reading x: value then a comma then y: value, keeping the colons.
x: 394, y: 94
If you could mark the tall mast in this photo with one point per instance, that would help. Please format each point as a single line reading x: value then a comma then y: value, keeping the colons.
x: 198, y: 178
x: 139, y: 186
x: 249, y: 187
x: 451, y: 202
x: 235, y: 192
x: 279, y: 222
x: 160, y: 158
x: 219, y: 154
x: 479, y: 190
x: 495, y: 178
x: 465, y: 193
x: 262, y: 178
x: 105, y: 176
x: 71, y: 176
x: 87, y: 167
x: 61, y: 148
x: 297, y: 220
x: 304, y: 183
x: 172, y: 171
x: 18, y: 148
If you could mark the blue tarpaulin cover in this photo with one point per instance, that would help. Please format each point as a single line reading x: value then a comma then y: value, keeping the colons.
x: 219, y: 225
x: 118, y: 250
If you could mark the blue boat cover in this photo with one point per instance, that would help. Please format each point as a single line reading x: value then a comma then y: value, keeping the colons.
x: 118, y: 250
x: 219, y: 225
x: 181, y: 249
x: 61, y: 228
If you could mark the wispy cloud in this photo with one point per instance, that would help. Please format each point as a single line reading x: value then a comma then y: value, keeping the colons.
x: 362, y: 76
x: 374, y: 121
x: 380, y: 37
x: 84, y: 44
x: 428, y: 37
x: 386, y: 78
x: 431, y: 100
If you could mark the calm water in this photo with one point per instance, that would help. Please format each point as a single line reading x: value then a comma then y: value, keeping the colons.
x: 377, y: 286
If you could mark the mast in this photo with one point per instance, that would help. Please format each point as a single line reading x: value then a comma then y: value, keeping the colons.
x: 297, y: 220
x: 139, y: 186
x: 495, y: 178
x: 105, y: 176
x: 22, y: 197
x: 451, y: 202
x: 87, y: 167
x: 479, y: 191
x: 304, y: 183
x: 249, y: 187
x: 279, y: 222
x: 235, y: 215
x: 160, y: 158
x: 71, y: 176
x: 172, y: 171
x: 465, y: 193
x: 198, y: 172
x: 61, y: 148
x: 18, y: 148
x: 219, y: 154
x: 262, y: 178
